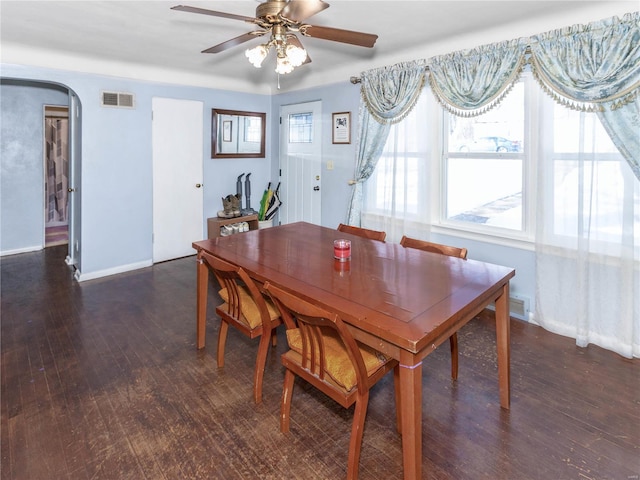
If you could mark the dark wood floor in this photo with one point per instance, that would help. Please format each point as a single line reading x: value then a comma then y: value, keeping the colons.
x: 101, y: 380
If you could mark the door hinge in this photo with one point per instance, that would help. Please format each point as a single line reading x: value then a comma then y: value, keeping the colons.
x: 280, y: 120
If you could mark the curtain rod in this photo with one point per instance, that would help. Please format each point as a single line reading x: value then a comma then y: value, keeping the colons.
x: 355, y: 80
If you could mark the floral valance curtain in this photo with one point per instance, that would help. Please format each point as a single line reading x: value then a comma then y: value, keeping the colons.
x: 470, y: 82
x: 596, y: 64
x: 596, y: 67
x: 388, y: 94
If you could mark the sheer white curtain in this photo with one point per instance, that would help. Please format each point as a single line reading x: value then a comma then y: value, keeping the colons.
x: 587, y: 229
x: 587, y: 234
x: 588, y: 217
x: 388, y: 95
x: 396, y: 197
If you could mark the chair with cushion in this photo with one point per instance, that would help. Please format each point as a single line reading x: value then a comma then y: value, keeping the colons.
x: 362, y: 232
x: 246, y: 309
x: 442, y: 250
x: 323, y: 352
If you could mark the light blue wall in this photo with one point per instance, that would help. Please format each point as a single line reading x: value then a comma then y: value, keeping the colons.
x: 522, y: 260
x: 22, y: 162
x: 116, y: 190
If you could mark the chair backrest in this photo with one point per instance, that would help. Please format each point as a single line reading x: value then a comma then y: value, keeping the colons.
x: 363, y: 232
x: 433, y: 247
x: 319, y: 329
x: 240, y: 293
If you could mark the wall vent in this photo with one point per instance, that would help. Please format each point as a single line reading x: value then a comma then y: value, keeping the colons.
x: 518, y: 307
x: 117, y: 100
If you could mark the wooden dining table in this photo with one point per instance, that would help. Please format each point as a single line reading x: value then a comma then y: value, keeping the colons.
x: 401, y: 301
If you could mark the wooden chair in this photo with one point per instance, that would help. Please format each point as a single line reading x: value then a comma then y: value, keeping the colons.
x: 442, y: 250
x: 433, y: 247
x: 362, y: 232
x: 246, y: 309
x: 324, y: 353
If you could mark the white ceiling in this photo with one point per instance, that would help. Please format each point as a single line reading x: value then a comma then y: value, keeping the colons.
x: 147, y: 40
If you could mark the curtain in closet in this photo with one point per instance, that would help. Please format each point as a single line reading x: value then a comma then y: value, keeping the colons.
x: 57, y: 163
x: 388, y: 94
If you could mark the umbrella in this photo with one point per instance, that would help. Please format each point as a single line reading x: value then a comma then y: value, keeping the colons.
x: 264, y: 202
x: 274, y: 204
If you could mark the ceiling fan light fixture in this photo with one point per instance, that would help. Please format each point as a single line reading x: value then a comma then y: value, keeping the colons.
x: 257, y: 55
x: 283, y: 65
x: 282, y: 19
x: 296, y: 55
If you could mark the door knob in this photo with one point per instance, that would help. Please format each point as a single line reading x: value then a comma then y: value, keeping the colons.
x: 316, y: 188
x: 198, y: 185
x: 71, y: 189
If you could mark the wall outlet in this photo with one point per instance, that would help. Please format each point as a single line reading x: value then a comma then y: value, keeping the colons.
x: 329, y: 164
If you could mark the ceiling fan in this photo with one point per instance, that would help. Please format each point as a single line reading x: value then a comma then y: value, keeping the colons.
x: 282, y: 20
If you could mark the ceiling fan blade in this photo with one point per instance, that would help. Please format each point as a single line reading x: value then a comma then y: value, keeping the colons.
x: 293, y: 40
x: 185, y: 8
x: 339, y: 35
x: 232, y: 43
x: 300, y: 10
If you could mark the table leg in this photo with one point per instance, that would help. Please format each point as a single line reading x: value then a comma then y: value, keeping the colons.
x: 201, y: 301
x: 411, y: 408
x: 503, y: 345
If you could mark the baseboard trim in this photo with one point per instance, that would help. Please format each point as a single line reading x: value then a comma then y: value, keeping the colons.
x: 35, y: 248
x: 83, y: 277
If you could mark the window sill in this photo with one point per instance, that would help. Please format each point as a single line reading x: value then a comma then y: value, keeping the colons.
x: 492, y: 238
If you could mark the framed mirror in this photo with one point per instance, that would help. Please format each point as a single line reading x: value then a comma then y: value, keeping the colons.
x: 236, y: 134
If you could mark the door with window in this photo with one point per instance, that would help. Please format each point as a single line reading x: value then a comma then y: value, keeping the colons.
x: 300, y: 162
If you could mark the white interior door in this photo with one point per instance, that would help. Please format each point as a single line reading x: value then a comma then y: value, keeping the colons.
x: 177, y: 136
x: 300, y: 162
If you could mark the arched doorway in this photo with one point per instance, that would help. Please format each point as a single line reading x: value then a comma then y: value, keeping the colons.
x: 22, y: 166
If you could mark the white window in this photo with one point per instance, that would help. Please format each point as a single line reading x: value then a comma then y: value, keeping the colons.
x: 527, y: 163
x: 301, y: 127
x: 484, y: 167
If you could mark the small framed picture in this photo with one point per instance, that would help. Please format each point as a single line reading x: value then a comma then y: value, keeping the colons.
x: 341, y: 125
x: 226, y: 130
